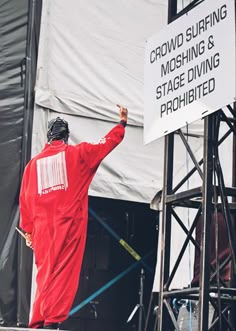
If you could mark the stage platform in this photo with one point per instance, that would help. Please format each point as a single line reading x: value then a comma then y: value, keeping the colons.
x: 23, y: 329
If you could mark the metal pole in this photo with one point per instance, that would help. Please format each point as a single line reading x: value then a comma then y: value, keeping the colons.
x: 166, y: 214
x: 206, y: 224
x: 141, y: 307
x: 25, y: 255
x: 28, y: 96
x: 233, y: 275
x: 172, y: 10
x: 166, y: 227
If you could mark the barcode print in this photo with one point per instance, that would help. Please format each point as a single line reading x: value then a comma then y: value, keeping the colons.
x: 52, y: 173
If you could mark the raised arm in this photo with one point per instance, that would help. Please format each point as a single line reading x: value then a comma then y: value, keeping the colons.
x: 93, y: 154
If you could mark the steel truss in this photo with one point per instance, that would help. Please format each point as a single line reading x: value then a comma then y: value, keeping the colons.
x: 220, y: 295
x: 204, y: 198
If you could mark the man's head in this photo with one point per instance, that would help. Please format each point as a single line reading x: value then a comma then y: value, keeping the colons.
x: 58, y: 130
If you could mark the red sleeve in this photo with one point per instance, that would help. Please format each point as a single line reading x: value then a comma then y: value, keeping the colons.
x: 93, y: 154
x: 25, y: 216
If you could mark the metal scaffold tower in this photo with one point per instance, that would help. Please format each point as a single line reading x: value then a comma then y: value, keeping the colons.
x: 209, y: 199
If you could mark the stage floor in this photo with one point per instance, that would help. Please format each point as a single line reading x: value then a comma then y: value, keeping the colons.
x: 23, y: 329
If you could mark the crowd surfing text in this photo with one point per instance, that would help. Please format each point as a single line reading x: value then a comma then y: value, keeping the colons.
x: 202, y: 67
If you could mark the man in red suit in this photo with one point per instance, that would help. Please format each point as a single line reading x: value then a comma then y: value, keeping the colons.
x: 54, y: 215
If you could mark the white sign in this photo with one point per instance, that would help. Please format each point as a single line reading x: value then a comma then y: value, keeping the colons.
x: 189, y: 68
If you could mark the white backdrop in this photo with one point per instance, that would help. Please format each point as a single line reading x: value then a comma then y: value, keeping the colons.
x: 91, y: 57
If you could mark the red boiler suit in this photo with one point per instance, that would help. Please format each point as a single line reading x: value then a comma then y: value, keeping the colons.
x: 54, y: 208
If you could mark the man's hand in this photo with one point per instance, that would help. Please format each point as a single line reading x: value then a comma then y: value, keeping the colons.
x: 123, y: 113
x: 26, y: 236
x: 28, y: 240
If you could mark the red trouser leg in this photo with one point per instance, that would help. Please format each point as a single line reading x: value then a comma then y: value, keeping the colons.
x: 63, y: 284
x: 59, y: 265
x: 36, y: 319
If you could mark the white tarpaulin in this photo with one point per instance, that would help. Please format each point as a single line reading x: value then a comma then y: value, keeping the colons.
x: 91, y: 57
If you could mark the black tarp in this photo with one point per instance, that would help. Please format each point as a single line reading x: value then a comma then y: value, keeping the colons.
x: 19, y: 22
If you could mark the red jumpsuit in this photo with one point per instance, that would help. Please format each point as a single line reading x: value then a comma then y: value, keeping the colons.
x: 54, y: 208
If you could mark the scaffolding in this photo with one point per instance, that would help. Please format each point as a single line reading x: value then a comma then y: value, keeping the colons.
x: 212, y: 291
